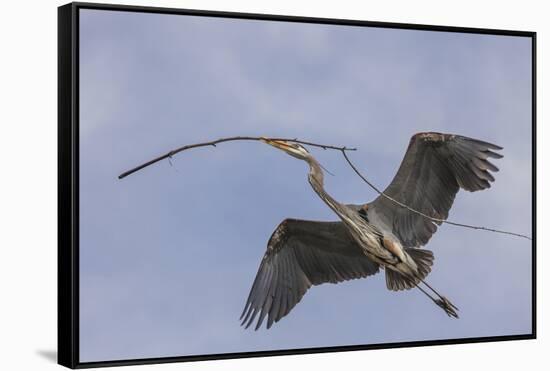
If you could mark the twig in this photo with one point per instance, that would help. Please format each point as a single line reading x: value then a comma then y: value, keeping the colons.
x: 214, y: 142
x: 424, y: 215
x: 323, y: 146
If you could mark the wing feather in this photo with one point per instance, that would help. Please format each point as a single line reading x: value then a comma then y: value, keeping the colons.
x: 301, y: 254
x: 434, y: 168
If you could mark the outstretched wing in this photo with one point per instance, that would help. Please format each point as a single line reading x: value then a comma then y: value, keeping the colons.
x: 299, y: 254
x: 435, y: 167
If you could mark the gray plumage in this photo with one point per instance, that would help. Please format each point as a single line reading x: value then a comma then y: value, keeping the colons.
x: 434, y: 168
x: 302, y: 253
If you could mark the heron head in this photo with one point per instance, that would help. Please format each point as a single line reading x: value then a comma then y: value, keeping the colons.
x: 292, y: 148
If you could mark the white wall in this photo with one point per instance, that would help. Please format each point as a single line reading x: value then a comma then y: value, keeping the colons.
x: 28, y: 151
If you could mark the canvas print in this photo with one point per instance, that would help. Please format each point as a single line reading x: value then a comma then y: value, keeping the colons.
x: 252, y: 185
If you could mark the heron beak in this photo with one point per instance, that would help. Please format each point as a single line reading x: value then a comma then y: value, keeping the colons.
x: 276, y: 143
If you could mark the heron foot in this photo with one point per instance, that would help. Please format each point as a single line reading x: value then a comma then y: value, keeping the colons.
x: 447, y: 306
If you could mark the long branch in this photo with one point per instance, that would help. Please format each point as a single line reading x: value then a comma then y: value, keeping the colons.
x: 214, y: 142
x: 323, y: 146
x: 424, y: 215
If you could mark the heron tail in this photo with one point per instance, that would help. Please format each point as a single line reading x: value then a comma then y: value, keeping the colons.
x: 423, y: 259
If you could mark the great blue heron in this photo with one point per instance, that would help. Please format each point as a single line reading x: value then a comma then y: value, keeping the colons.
x: 302, y: 253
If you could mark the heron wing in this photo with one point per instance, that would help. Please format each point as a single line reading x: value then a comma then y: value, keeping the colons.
x: 302, y: 253
x: 434, y: 168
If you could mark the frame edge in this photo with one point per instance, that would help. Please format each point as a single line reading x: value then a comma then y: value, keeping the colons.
x: 68, y: 156
x: 299, y: 19
x: 67, y: 313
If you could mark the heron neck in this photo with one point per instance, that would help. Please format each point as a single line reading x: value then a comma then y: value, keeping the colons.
x: 316, y: 179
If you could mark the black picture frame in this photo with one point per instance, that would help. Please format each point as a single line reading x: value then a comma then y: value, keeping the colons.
x: 68, y: 182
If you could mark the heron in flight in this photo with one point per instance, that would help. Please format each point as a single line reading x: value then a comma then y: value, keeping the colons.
x: 378, y: 235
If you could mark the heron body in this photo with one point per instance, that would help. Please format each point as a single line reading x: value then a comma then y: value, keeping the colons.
x: 368, y: 237
x: 381, y: 249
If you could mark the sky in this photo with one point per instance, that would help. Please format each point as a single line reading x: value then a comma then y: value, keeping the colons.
x: 168, y: 255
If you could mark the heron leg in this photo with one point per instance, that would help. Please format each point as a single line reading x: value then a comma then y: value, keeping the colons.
x: 442, y: 302
x: 441, y: 297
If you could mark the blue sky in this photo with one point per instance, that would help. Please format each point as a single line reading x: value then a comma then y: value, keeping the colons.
x: 168, y: 255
